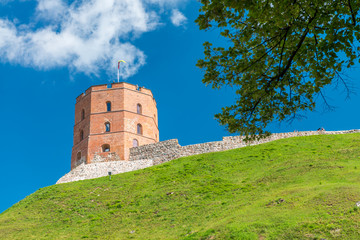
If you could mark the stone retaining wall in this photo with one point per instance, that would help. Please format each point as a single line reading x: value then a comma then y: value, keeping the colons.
x: 95, y: 170
x: 168, y: 150
x: 105, y: 157
x: 157, y: 153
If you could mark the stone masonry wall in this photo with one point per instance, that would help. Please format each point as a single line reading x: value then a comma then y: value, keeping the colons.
x: 95, y: 170
x: 105, y: 157
x: 168, y: 150
x: 157, y: 153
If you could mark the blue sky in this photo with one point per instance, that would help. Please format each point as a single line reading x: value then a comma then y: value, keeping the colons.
x: 53, y: 50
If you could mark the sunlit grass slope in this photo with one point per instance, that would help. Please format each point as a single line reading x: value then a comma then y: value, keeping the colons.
x: 299, y: 188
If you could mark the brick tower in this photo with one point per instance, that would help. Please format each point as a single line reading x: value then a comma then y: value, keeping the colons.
x: 111, y: 119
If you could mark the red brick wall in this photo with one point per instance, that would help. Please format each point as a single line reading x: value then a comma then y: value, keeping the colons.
x: 123, y: 120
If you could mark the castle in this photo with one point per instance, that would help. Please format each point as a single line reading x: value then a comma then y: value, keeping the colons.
x: 116, y: 131
x: 110, y: 119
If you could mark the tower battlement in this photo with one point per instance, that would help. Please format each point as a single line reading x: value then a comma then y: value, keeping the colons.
x: 114, y: 86
x: 110, y: 119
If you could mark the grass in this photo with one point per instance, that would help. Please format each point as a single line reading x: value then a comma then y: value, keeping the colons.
x: 298, y: 188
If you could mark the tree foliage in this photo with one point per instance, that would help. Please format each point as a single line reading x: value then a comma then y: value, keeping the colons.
x: 280, y: 55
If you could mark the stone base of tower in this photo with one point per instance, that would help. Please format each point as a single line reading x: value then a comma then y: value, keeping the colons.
x: 101, y: 169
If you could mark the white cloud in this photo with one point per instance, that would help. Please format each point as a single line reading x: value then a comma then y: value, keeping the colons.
x: 51, y: 9
x: 165, y: 3
x: 86, y: 36
x: 177, y: 18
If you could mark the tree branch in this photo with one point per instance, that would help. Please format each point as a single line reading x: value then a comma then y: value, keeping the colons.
x: 352, y: 13
x: 288, y: 65
x: 282, y: 73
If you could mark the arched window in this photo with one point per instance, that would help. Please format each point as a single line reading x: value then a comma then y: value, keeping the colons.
x: 82, y: 114
x: 107, y: 127
x: 139, y: 129
x: 139, y: 108
x: 78, y: 157
x: 81, y: 135
x: 108, y: 106
x: 106, y: 148
x: 135, y: 143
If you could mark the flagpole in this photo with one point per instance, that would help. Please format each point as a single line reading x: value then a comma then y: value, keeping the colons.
x: 119, y: 68
x: 118, y: 72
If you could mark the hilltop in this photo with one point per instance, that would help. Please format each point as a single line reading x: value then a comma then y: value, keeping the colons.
x: 297, y: 188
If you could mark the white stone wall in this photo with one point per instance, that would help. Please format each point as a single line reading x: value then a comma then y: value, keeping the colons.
x: 168, y: 150
x: 95, y: 170
x: 110, y: 157
x: 157, y: 153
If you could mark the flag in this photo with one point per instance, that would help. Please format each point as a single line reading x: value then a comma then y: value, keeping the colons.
x: 120, y: 62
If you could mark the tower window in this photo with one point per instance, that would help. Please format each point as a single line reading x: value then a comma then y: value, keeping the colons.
x: 78, y: 157
x: 106, y: 148
x: 135, y: 143
x: 139, y: 129
x: 139, y: 108
x: 82, y: 114
x: 81, y: 135
x: 107, y: 127
x: 108, y: 106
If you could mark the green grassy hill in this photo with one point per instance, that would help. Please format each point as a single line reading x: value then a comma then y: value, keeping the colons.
x: 299, y: 188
